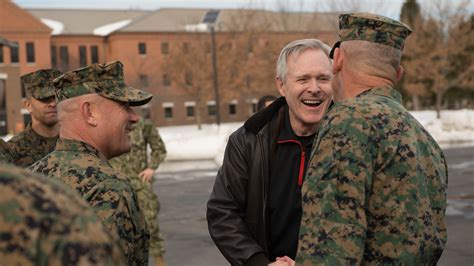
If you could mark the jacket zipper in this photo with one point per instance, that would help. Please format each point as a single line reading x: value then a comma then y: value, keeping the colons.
x: 302, y: 158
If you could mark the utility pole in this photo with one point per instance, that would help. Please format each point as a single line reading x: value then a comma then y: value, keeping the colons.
x: 214, y: 76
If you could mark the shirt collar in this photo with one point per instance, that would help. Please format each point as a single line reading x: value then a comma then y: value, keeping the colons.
x: 76, y: 145
x: 384, y: 91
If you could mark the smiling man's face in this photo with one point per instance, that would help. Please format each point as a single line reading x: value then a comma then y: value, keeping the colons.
x: 307, y: 89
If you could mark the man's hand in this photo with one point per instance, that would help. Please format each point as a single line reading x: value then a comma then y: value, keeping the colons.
x: 283, y: 261
x: 147, y: 175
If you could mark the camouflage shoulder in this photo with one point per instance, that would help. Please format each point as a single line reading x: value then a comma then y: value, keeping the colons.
x: 68, y: 220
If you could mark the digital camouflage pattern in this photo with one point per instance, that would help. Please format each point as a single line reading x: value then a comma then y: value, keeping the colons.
x: 373, y: 28
x: 42, y: 222
x: 103, y: 79
x: 28, y: 147
x: 80, y: 166
x: 5, y: 152
x: 144, y: 133
x: 38, y: 84
x: 375, y: 194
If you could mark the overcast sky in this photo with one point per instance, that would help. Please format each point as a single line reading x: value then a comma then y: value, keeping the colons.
x: 390, y: 8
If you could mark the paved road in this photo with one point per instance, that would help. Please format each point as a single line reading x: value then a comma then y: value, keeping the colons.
x: 182, y: 218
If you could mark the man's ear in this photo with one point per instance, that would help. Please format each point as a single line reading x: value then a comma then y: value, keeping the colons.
x: 338, y: 60
x: 279, y: 83
x: 400, y: 71
x: 88, y: 114
x: 27, y: 104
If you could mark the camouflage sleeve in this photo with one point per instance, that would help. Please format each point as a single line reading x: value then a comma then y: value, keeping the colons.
x: 333, y: 223
x: 120, y: 215
x: 158, y: 149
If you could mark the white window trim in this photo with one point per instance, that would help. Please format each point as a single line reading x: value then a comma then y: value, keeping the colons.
x: 167, y: 104
x: 189, y: 103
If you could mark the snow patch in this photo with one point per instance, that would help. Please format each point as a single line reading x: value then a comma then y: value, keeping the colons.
x: 109, y: 28
x: 56, y: 26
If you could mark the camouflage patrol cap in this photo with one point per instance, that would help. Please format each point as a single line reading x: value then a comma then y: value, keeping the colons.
x: 38, y: 83
x: 103, y: 79
x: 372, y: 28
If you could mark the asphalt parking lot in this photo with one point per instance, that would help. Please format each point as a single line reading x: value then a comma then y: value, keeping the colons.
x: 183, y: 198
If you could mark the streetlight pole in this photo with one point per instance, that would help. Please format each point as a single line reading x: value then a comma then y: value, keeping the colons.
x: 214, y: 76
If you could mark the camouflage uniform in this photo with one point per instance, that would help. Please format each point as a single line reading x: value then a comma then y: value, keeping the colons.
x: 28, y: 146
x: 42, y: 222
x: 133, y: 163
x: 83, y: 168
x: 375, y: 194
x: 5, y: 152
x: 78, y: 165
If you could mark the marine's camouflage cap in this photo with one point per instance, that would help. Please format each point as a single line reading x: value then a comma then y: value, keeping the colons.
x: 372, y: 28
x: 103, y: 79
x: 39, y: 83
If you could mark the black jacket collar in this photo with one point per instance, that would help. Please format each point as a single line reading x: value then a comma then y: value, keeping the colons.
x: 257, y: 121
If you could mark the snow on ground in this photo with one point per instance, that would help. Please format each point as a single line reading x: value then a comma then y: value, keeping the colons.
x: 206, y: 146
x: 204, y: 149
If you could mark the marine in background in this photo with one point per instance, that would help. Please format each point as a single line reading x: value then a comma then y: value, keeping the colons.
x: 140, y: 168
x: 40, y: 136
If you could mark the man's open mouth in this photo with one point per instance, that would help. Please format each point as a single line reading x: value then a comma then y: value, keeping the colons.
x: 312, y: 103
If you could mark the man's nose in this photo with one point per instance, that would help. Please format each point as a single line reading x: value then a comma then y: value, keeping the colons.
x: 314, y: 86
x: 133, y: 116
x: 52, y: 102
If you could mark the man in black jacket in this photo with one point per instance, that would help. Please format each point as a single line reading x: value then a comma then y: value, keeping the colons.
x: 254, y: 211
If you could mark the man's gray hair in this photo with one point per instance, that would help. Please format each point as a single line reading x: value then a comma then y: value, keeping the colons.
x: 294, y: 48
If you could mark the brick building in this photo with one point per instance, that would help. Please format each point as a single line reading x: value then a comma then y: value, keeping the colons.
x: 149, y: 42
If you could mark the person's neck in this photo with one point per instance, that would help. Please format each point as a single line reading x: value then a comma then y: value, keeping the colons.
x: 304, y: 130
x: 357, y: 85
x: 45, y: 131
x: 81, y: 135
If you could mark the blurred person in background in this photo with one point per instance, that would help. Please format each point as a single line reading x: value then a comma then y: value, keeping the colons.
x: 265, y: 101
x: 40, y: 136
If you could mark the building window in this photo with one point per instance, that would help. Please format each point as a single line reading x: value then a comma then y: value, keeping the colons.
x: 82, y: 56
x: 64, y: 57
x: 185, y: 47
x: 188, y: 78
x: 54, y: 56
x: 211, y: 108
x: 165, y: 49
x: 233, y: 107
x: 143, y: 80
x: 1, y: 54
x: 254, y: 105
x: 190, y: 109
x: 142, y: 48
x: 168, y: 110
x: 30, y: 52
x: 166, y: 80
x: 94, y: 54
x: 14, y: 58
